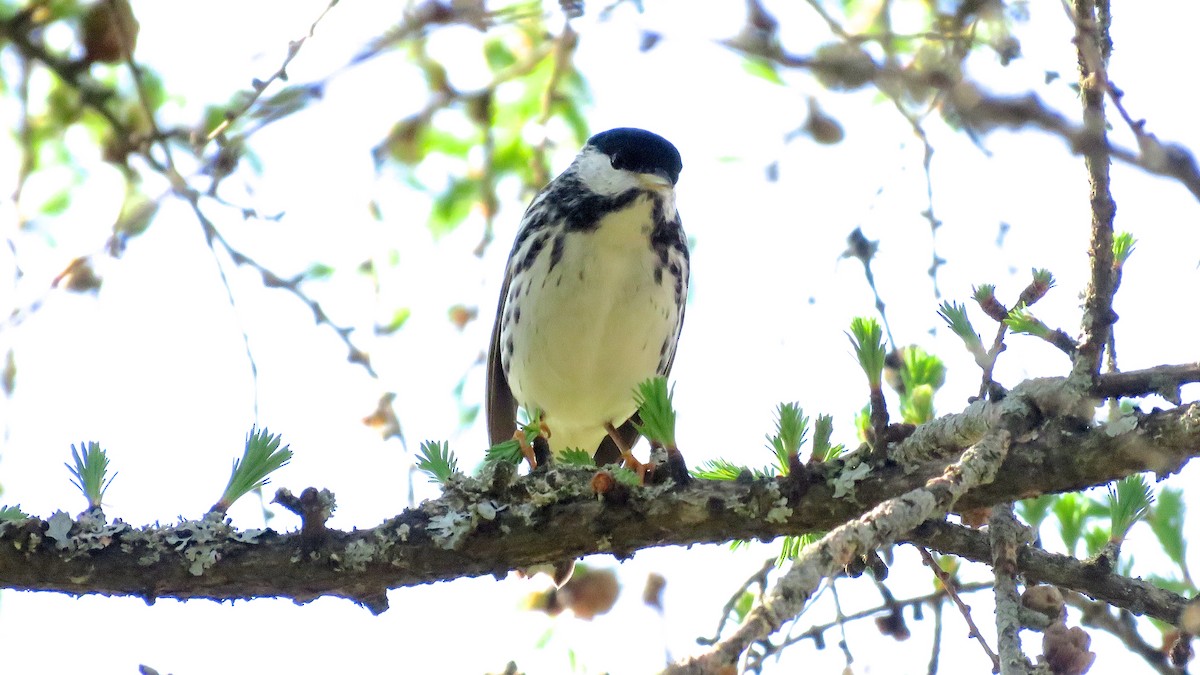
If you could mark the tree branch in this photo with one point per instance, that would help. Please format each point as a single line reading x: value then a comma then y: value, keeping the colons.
x: 499, y: 522
x: 1098, y: 315
x: 1038, y: 566
x: 883, y: 524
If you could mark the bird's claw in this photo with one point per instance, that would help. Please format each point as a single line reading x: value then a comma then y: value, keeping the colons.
x: 526, y: 448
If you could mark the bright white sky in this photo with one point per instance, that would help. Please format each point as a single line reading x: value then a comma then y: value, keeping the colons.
x: 155, y: 368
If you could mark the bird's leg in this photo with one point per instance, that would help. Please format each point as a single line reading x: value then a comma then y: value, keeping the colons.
x: 526, y: 447
x: 626, y: 453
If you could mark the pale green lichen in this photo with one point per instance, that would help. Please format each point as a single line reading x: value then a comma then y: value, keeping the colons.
x: 91, y: 532
x: 356, y: 555
x: 449, y: 529
x: 488, y: 509
x: 58, y: 528
x: 843, y: 483
x: 247, y: 536
x: 780, y: 512
x: 199, y: 541
x: 1121, y: 425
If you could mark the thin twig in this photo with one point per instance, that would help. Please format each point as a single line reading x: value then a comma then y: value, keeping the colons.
x: 934, y: 599
x: 938, y: 627
x: 841, y: 624
x: 259, y: 86
x: 949, y: 584
x: 759, y: 578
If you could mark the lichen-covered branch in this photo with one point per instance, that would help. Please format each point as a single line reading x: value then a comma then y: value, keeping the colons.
x: 1039, y: 566
x: 1005, y: 531
x: 499, y: 521
x: 883, y: 524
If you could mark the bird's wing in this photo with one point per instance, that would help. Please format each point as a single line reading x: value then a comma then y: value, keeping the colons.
x: 682, y: 305
x: 499, y: 403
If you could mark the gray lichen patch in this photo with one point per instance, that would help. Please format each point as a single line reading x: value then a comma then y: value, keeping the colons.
x: 356, y: 555
x: 200, y: 542
x: 91, y: 532
x: 843, y: 483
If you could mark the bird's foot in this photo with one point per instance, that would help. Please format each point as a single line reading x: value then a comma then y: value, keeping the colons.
x: 627, y: 459
x: 526, y: 447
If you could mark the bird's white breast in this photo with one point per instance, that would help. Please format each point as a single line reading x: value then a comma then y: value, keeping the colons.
x: 595, y: 328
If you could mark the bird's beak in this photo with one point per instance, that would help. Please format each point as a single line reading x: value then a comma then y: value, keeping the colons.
x: 656, y: 182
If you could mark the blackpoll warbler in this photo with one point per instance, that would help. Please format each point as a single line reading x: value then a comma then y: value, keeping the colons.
x: 593, y: 297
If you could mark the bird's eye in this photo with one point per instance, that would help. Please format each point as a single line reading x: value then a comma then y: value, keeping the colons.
x: 616, y: 160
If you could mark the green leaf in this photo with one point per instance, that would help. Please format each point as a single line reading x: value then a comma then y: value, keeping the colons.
x: 90, y: 471
x: 743, y: 606
x: 57, y: 204
x: 1123, y: 245
x: 575, y: 457
x: 655, y: 407
x: 319, y: 271
x: 862, y: 422
x: 1166, y: 521
x: 1021, y: 320
x: 822, y: 451
x: 1095, y: 539
x: 867, y: 338
x: 508, y: 451
x: 399, y: 318
x: 1035, y: 509
x: 436, y: 461
x: 916, y: 406
x: 445, y: 143
x: 1072, y: 510
x: 1129, y: 501
x: 791, y: 427
x: 722, y: 469
x: 762, y: 69
x: 794, y: 544
x: 922, y: 368
x: 453, y: 205
x: 261, y: 457
x: 955, y: 316
x: 498, y: 55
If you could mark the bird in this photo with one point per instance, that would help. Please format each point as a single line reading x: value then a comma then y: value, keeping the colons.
x: 593, y: 299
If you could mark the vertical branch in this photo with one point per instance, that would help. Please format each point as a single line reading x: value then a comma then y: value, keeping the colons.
x: 1098, y: 316
x: 1004, y: 532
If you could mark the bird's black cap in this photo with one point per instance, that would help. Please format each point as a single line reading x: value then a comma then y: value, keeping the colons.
x: 639, y: 150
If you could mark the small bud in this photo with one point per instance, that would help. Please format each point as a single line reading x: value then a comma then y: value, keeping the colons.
x: 821, y: 127
x: 107, y: 26
x: 1065, y: 650
x: 652, y: 592
x: 1042, y: 282
x: 1044, y: 599
x: 603, y: 483
x: 985, y: 295
x: 843, y: 66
